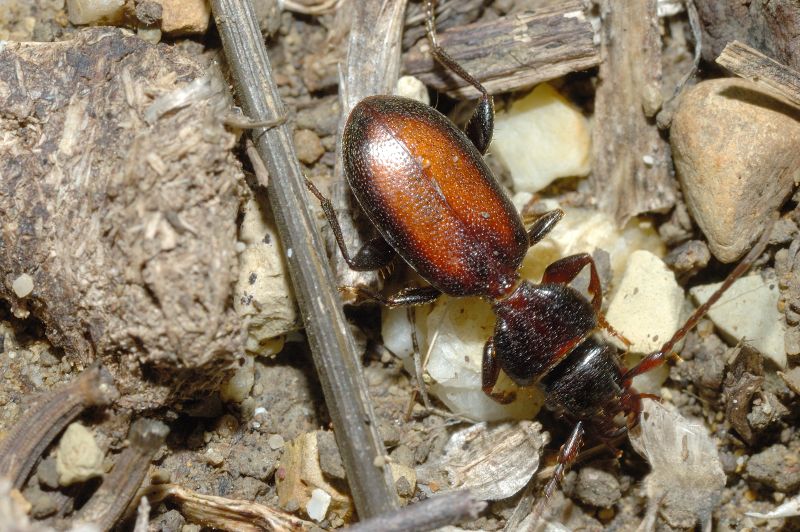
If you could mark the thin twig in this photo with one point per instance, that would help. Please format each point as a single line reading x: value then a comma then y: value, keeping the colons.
x: 751, y: 64
x: 331, y: 342
x: 443, y: 510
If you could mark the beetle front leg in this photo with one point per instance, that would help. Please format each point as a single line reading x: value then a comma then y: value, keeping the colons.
x: 489, y: 374
x: 373, y: 255
x: 564, y: 271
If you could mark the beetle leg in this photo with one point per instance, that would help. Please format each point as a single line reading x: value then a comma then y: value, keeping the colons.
x: 373, y: 255
x: 481, y: 124
x: 407, y: 296
x: 566, y: 456
x: 543, y: 225
x: 490, y: 370
x: 564, y: 271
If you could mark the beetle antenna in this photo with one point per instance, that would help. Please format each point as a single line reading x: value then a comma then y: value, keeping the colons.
x: 656, y: 359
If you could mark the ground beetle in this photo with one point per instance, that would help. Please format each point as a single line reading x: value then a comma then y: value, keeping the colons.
x: 424, y: 185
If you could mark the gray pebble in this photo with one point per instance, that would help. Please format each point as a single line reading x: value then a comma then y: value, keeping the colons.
x: 597, y: 488
x: 777, y: 467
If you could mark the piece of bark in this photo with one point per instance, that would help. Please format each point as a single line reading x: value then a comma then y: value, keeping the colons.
x: 770, y: 26
x: 372, y: 67
x: 631, y: 161
x: 123, y: 218
x: 511, y: 52
x: 749, y: 63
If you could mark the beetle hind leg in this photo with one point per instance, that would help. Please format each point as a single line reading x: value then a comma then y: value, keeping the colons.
x: 480, y: 126
x: 566, y: 457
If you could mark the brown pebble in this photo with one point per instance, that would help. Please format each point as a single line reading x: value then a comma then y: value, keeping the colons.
x: 309, y: 147
x: 735, y: 152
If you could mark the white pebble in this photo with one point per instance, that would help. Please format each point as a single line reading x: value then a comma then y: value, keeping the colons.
x: 540, y: 138
x: 22, y: 285
x: 93, y: 11
x: 79, y: 458
x: 748, y: 312
x: 318, y: 505
x: 647, y: 306
x: 238, y: 386
x: 276, y: 442
x: 411, y: 87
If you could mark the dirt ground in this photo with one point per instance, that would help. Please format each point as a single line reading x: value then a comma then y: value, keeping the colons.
x: 234, y: 449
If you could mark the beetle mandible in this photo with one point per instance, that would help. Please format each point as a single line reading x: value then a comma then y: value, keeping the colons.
x: 424, y: 185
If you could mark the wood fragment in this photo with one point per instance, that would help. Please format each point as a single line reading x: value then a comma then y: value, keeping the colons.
x: 430, y: 514
x: 332, y: 344
x: 771, y: 26
x: 631, y: 161
x: 512, y: 52
x: 372, y: 67
x: 226, y: 514
x: 749, y: 63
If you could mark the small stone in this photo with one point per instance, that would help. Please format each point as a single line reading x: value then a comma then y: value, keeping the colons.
x: 79, y: 458
x: 405, y: 479
x: 148, y: 12
x: 330, y: 461
x: 95, y: 11
x: 597, y: 488
x: 182, y: 17
x: 172, y: 521
x: 411, y: 87
x: 736, y: 154
x: 647, y: 305
x: 47, y: 473
x: 646, y: 308
x: 22, y: 285
x: 792, y: 379
x: 276, y: 442
x: 151, y: 35
x: 777, y: 467
x: 540, y: 138
x: 214, y: 457
x: 689, y: 257
x: 748, y: 312
x: 309, y: 147
x: 263, y: 297
x: 318, y: 505
x: 42, y: 504
x: 238, y: 386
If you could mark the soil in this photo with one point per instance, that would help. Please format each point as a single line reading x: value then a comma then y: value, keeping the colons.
x: 234, y: 449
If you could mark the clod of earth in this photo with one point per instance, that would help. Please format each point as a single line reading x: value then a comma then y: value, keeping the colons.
x: 127, y: 228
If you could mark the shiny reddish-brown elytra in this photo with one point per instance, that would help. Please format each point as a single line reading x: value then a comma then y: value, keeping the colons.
x: 424, y: 185
x: 426, y: 188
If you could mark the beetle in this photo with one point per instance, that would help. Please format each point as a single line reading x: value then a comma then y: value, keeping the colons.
x: 424, y: 184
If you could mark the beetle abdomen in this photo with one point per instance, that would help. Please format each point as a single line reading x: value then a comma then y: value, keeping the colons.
x: 427, y: 190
